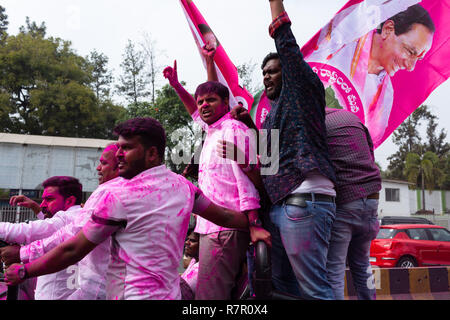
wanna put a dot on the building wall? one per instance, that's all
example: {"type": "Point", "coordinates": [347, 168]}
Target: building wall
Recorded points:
{"type": "Point", "coordinates": [413, 206]}
{"type": "Point", "coordinates": [25, 166]}
{"type": "Point", "coordinates": [433, 201]}
{"type": "Point", "coordinates": [394, 208]}
{"type": "Point", "coordinates": [447, 201]}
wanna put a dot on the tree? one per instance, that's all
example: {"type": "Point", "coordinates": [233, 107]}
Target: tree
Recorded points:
{"type": "Point", "coordinates": [132, 82]}
{"type": "Point", "coordinates": [31, 28]}
{"type": "Point", "coordinates": [101, 76]}
{"type": "Point", "coordinates": [3, 24]}
{"type": "Point", "coordinates": [436, 141]}
{"type": "Point", "coordinates": [425, 169]}
{"type": "Point", "coordinates": [246, 71]}
{"type": "Point", "coordinates": [170, 112]}
{"type": "Point", "coordinates": [408, 139]}
{"type": "Point", "coordinates": [44, 88]}
{"type": "Point", "coordinates": [153, 70]}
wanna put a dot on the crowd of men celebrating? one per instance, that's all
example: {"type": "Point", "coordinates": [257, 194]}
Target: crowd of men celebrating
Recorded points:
{"type": "Point", "coordinates": [128, 238]}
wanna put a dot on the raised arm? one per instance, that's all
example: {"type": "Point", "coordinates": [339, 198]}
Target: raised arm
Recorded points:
{"type": "Point", "coordinates": [208, 53]}
{"type": "Point", "coordinates": [172, 75]}
{"type": "Point", "coordinates": [276, 8]}
{"type": "Point", "coordinates": [23, 201]}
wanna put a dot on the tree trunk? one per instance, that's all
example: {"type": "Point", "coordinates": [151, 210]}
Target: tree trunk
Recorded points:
{"type": "Point", "coordinates": [423, 191]}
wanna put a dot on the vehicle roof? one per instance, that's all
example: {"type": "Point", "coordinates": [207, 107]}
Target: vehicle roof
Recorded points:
{"type": "Point", "coordinates": [410, 226]}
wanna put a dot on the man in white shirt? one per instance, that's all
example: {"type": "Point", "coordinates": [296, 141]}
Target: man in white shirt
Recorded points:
{"type": "Point", "coordinates": [60, 204]}
{"type": "Point", "coordinates": [89, 280]}
{"type": "Point", "coordinates": [147, 216]}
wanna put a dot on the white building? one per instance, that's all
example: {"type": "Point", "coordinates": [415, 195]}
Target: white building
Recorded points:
{"type": "Point", "coordinates": [27, 160]}
{"type": "Point", "coordinates": [396, 199]}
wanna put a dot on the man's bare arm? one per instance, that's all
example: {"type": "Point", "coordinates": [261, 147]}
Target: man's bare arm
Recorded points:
{"type": "Point", "coordinates": [276, 8]}
{"type": "Point", "coordinates": [64, 255]}
{"type": "Point", "coordinates": [224, 217]}
{"type": "Point", "coordinates": [208, 53]}
{"type": "Point", "coordinates": [170, 73]}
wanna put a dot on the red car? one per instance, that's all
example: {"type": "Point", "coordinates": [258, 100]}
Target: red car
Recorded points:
{"type": "Point", "coordinates": [410, 245]}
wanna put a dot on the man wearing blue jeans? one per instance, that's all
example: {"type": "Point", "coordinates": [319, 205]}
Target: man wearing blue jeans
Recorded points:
{"type": "Point", "coordinates": [358, 184]}
{"type": "Point", "coordinates": [302, 191]}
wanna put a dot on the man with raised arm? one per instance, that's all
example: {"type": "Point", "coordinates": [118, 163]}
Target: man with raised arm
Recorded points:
{"type": "Point", "coordinates": [89, 281]}
{"type": "Point", "coordinates": [302, 191]}
{"type": "Point", "coordinates": [223, 182]}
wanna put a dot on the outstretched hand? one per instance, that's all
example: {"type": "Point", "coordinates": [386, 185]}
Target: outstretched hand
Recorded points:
{"type": "Point", "coordinates": [171, 74]}
{"type": "Point", "coordinates": [23, 201]}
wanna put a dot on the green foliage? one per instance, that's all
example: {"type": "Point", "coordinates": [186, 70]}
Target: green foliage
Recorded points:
{"type": "Point", "coordinates": [330, 99]}
{"type": "Point", "coordinates": [3, 24]}
{"type": "Point", "coordinates": [101, 77]}
{"type": "Point", "coordinates": [424, 171]}
{"type": "Point", "coordinates": [426, 167]}
{"type": "Point", "coordinates": [45, 88]}
{"type": "Point", "coordinates": [170, 112]}
{"type": "Point", "coordinates": [408, 139]}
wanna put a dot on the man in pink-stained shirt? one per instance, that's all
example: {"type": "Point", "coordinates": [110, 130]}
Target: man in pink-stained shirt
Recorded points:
{"type": "Point", "coordinates": [222, 250]}
{"type": "Point", "coordinates": [146, 215]}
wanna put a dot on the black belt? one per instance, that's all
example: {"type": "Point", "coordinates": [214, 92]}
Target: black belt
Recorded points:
{"type": "Point", "coordinates": [375, 195]}
{"type": "Point", "coordinates": [298, 199]}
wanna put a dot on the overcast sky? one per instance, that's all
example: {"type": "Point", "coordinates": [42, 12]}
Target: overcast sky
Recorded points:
{"type": "Point", "coordinates": [240, 25]}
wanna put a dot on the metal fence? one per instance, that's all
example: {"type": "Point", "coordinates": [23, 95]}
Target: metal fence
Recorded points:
{"type": "Point", "coordinates": [440, 220]}
{"type": "Point", "coordinates": [16, 214]}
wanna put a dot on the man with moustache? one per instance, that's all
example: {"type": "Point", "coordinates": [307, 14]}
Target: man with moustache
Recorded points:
{"type": "Point", "coordinates": [147, 215]}
{"type": "Point", "coordinates": [60, 205]}
{"type": "Point", "coordinates": [89, 282]}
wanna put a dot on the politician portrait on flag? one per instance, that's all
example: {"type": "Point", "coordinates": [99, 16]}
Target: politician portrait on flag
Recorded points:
{"type": "Point", "coordinates": [359, 71]}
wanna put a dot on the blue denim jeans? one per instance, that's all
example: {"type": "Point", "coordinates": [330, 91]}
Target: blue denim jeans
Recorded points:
{"type": "Point", "coordinates": [355, 226]}
{"type": "Point", "coordinates": [300, 238]}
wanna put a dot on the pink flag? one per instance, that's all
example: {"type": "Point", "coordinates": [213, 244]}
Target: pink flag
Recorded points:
{"type": "Point", "coordinates": [371, 67]}
{"type": "Point", "coordinates": [226, 71]}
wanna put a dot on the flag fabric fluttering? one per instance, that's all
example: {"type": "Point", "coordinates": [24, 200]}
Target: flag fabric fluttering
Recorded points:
{"type": "Point", "coordinates": [411, 60]}
{"type": "Point", "coordinates": [226, 70]}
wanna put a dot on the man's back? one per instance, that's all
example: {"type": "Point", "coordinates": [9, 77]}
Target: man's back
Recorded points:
{"type": "Point", "coordinates": [351, 152]}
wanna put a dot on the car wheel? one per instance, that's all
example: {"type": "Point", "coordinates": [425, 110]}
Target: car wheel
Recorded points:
{"type": "Point", "coordinates": [407, 262]}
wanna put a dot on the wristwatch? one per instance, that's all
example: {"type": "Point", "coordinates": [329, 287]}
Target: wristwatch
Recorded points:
{"type": "Point", "coordinates": [22, 272]}
{"type": "Point", "coordinates": [255, 222]}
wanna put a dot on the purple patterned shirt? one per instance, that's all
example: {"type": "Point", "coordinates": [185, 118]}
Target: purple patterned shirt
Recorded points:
{"type": "Point", "coordinates": [351, 152]}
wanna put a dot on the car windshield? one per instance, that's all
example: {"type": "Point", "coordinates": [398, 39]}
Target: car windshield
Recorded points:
{"type": "Point", "coordinates": [386, 233]}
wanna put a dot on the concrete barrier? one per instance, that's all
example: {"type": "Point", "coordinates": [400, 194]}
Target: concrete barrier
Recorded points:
{"type": "Point", "coordinates": [431, 283]}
